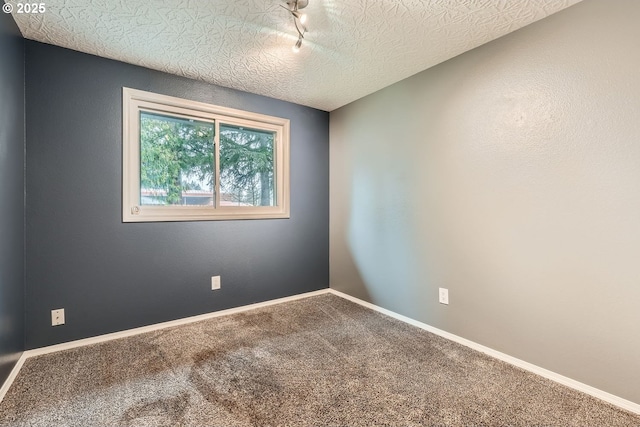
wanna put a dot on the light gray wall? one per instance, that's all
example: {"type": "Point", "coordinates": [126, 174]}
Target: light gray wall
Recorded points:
{"type": "Point", "coordinates": [11, 195]}
{"type": "Point", "coordinates": [511, 176]}
{"type": "Point", "coordinates": [110, 276]}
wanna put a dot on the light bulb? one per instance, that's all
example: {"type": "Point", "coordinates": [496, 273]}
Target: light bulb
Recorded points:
{"type": "Point", "coordinates": [303, 18]}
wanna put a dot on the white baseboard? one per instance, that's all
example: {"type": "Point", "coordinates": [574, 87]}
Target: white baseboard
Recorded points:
{"type": "Point", "coordinates": [163, 325]}
{"type": "Point", "coordinates": [136, 331]}
{"type": "Point", "coordinates": [584, 388]}
{"type": "Point", "coordinates": [12, 376]}
{"type": "Point", "coordinates": [576, 385]}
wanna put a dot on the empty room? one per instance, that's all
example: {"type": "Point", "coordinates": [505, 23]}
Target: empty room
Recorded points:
{"type": "Point", "coordinates": [320, 213]}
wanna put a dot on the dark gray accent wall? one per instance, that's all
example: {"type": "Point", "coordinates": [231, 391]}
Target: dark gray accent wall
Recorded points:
{"type": "Point", "coordinates": [111, 276]}
{"type": "Point", "coordinates": [11, 195]}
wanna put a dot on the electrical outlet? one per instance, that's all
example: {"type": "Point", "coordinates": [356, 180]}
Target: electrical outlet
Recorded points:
{"type": "Point", "coordinates": [215, 283]}
{"type": "Point", "coordinates": [57, 317]}
{"type": "Point", "coordinates": [443, 296]}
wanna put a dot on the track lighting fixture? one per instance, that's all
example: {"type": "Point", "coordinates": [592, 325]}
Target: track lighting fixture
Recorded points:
{"type": "Point", "coordinates": [299, 19]}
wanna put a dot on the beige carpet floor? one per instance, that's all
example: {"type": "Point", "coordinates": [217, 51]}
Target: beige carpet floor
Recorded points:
{"type": "Point", "coordinates": [319, 361]}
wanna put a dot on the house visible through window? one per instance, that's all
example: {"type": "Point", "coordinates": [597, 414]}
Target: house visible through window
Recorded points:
{"type": "Point", "coordinates": [184, 160]}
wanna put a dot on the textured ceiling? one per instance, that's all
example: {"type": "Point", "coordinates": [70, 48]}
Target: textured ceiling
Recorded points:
{"type": "Point", "coordinates": [353, 47]}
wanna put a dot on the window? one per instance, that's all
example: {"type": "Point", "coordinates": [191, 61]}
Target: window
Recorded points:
{"type": "Point", "coordinates": [185, 160]}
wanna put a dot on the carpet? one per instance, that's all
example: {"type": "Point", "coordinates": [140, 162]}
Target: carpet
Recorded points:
{"type": "Point", "coordinates": [318, 361]}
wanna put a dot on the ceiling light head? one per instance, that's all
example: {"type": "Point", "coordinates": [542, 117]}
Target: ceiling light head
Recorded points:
{"type": "Point", "coordinates": [297, 4]}
{"type": "Point", "coordinates": [296, 47]}
{"type": "Point", "coordinates": [302, 17]}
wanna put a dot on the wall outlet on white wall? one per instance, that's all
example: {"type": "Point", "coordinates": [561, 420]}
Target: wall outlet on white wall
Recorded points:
{"type": "Point", "coordinates": [215, 283]}
{"type": "Point", "coordinates": [57, 317]}
{"type": "Point", "coordinates": [443, 295]}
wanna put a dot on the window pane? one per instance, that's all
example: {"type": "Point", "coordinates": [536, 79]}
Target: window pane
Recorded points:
{"type": "Point", "coordinates": [176, 161]}
{"type": "Point", "coordinates": [246, 167]}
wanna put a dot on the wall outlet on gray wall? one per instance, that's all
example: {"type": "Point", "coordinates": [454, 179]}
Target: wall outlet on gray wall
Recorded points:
{"type": "Point", "coordinates": [443, 295]}
{"type": "Point", "coordinates": [215, 283]}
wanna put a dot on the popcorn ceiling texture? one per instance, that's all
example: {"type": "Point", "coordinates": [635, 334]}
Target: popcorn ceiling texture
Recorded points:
{"type": "Point", "coordinates": [353, 48]}
{"type": "Point", "coordinates": [319, 361]}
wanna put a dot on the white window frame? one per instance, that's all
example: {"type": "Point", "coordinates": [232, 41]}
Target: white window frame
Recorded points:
{"type": "Point", "coordinates": [134, 101]}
